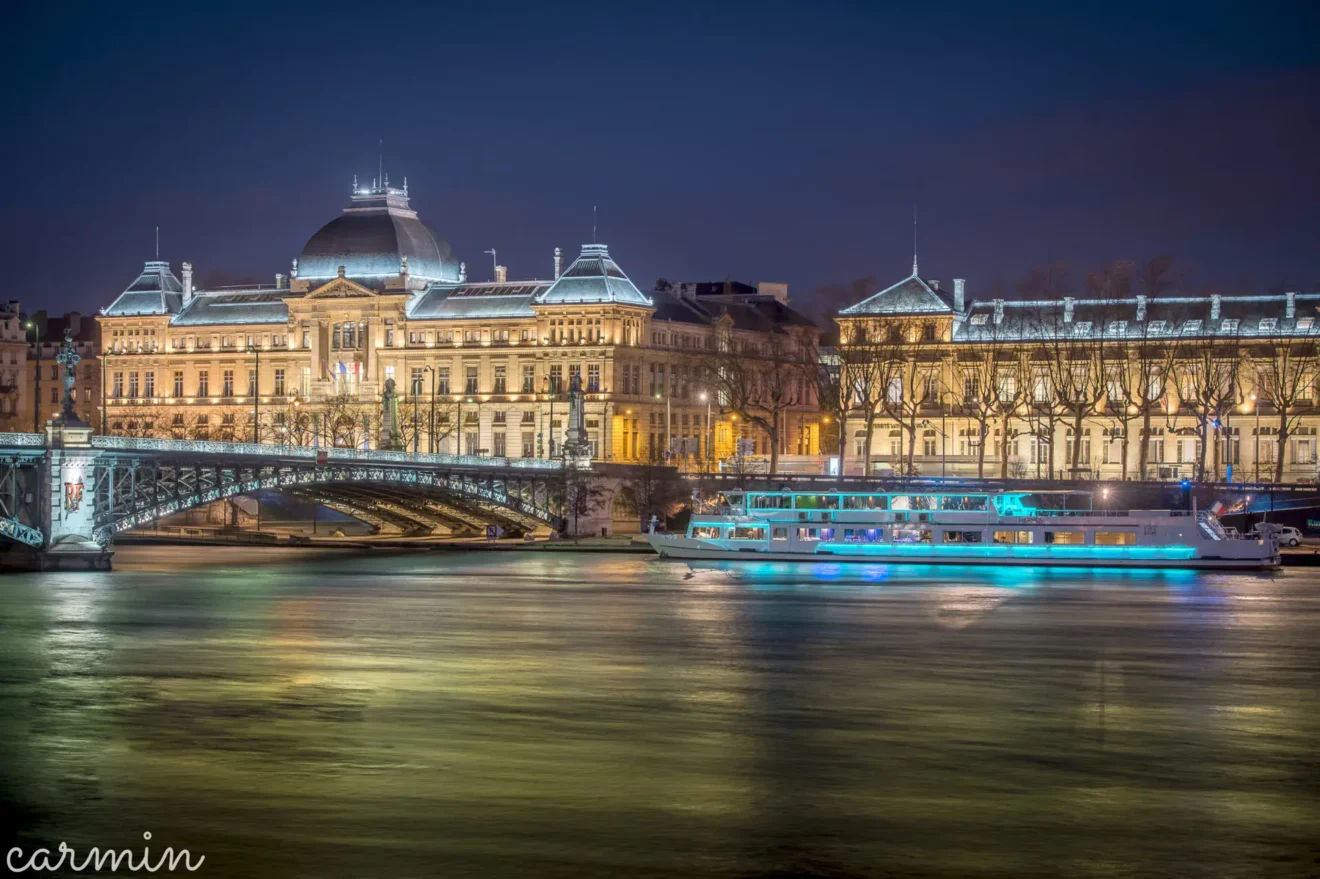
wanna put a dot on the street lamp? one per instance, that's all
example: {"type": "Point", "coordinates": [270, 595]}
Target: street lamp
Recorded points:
{"type": "Point", "coordinates": [1256, 439]}
{"type": "Point", "coordinates": [710, 429]}
{"type": "Point", "coordinates": [31, 327]}
{"type": "Point", "coordinates": [430, 442]}
{"type": "Point", "coordinates": [256, 392]}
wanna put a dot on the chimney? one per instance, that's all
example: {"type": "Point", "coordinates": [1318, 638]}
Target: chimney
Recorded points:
{"type": "Point", "coordinates": [999, 310]}
{"type": "Point", "coordinates": [1141, 308]}
{"type": "Point", "coordinates": [1214, 307]}
{"type": "Point", "coordinates": [280, 282]}
{"type": "Point", "coordinates": [934, 285]}
{"type": "Point", "coordinates": [959, 294]}
{"type": "Point", "coordinates": [1067, 309]}
{"type": "Point", "coordinates": [501, 274]}
{"type": "Point", "coordinates": [187, 282]}
{"type": "Point", "coordinates": [559, 262]}
{"type": "Point", "coordinates": [1292, 305]}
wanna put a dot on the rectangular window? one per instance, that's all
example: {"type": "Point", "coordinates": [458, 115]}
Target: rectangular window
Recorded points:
{"type": "Point", "coordinates": [1013, 537]}
{"type": "Point", "coordinates": [472, 443]}
{"type": "Point", "coordinates": [500, 381]}
{"type": "Point", "coordinates": [529, 379]}
{"type": "Point", "coordinates": [706, 532]}
{"type": "Point", "coordinates": [962, 536]}
{"type": "Point", "coordinates": [748, 532]}
{"type": "Point", "coordinates": [133, 384]}
{"type": "Point", "coordinates": [593, 378]}
{"type": "Point", "coordinates": [203, 383]}
{"type": "Point", "coordinates": [279, 382]}
{"type": "Point", "coordinates": [808, 534]}
{"type": "Point", "coordinates": [442, 380]}
{"type": "Point", "coordinates": [227, 383]}
{"type": "Point", "coordinates": [252, 383]}
{"type": "Point", "coordinates": [528, 444]}
{"type": "Point", "coordinates": [470, 386]}
{"type": "Point", "coordinates": [1115, 538]}
{"type": "Point", "coordinates": [149, 384]}
{"type": "Point", "coordinates": [779, 534]}
{"type": "Point", "coordinates": [556, 378]}
{"type": "Point", "coordinates": [498, 444]}
{"type": "Point", "coordinates": [1066, 538]}
{"type": "Point", "coordinates": [178, 383]}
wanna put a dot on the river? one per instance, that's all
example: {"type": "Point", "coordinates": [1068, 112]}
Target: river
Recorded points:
{"type": "Point", "coordinates": [521, 713]}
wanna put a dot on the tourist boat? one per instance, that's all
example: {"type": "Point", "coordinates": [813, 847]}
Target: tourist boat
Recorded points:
{"type": "Point", "coordinates": [958, 527]}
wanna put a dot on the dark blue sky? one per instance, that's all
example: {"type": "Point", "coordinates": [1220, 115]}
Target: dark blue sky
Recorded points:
{"type": "Point", "coordinates": [762, 141]}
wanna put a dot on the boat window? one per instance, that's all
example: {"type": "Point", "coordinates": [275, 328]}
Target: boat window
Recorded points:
{"type": "Point", "coordinates": [707, 532]}
{"type": "Point", "coordinates": [912, 502]}
{"type": "Point", "coordinates": [863, 535]}
{"type": "Point", "coordinates": [769, 501]}
{"type": "Point", "coordinates": [816, 501]}
{"type": "Point", "coordinates": [962, 536]}
{"type": "Point", "coordinates": [1115, 538]}
{"type": "Point", "coordinates": [866, 502]}
{"type": "Point", "coordinates": [1013, 537]}
{"type": "Point", "coordinates": [827, 534]}
{"type": "Point", "coordinates": [779, 534]}
{"type": "Point", "coordinates": [748, 532]}
{"type": "Point", "coordinates": [808, 534]}
{"type": "Point", "coordinates": [963, 502]}
{"type": "Point", "coordinates": [733, 500]}
{"type": "Point", "coordinates": [912, 535]}
{"type": "Point", "coordinates": [1066, 538]}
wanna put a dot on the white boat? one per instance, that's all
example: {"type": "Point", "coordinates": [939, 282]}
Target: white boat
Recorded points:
{"type": "Point", "coordinates": [959, 527]}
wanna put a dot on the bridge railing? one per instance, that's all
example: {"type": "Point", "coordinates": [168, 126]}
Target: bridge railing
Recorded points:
{"type": "Point", "coordinates": [36, 440]}
{"type": "Point", "coordinates": [213, 447]}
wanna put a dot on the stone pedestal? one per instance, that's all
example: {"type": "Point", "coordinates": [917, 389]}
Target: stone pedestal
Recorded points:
{"type": "Point", "coordinates": [69, 493]}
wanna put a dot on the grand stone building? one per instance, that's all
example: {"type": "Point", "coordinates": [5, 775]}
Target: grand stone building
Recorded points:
{"type": "Point", "coordinates": [1122, 387]}
{"type": "Point", "coordinates": [480, 367]}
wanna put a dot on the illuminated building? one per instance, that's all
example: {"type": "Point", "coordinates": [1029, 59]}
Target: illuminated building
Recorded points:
{"type": "Point", "coordinates": [376, 295]}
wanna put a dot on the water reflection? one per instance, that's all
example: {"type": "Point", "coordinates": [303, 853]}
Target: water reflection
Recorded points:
{"type": "Point", "coordinates": [561, 714]}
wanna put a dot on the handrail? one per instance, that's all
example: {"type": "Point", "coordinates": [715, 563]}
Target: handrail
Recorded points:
{"type": "Point", "coordinates": [215, 447]}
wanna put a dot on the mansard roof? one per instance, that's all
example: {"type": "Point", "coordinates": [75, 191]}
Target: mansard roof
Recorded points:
{"type": "Point", "coordinates": [594, 277]}
{"type": "Point", "coordinates": [912, 295]}
{"type": "Point", "coordinates": [156, 291]}
{"type": "Point", "coordinates": [1142, 318]}
{"type": "Point", "coordinates": [477, 300]}
{"type": "Point", "coordinates": [758, 313]}
{"type": "Point", "coordinates": [249, 305]}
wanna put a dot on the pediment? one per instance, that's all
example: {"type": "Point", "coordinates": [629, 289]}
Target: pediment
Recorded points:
{"type": "Point", "coordinates": [340, 288]}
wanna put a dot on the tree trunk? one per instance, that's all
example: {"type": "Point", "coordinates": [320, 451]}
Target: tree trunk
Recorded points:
{"type": "Point", "coordinates": [1123, 453]}
{"type": "Point", "coordinates": [912, 444]}
{"type": "Point", "coordinates": [1283, 443]}
{"type": "Point", "coordinates": [1075, 460]}
{"type": "Point", "coordinates": [980, 451]}
{"type": "Point", "coordinates": [1200, 456]}
{"type": "Point", "coordinates": [1003, 448]}
{"type": "Point", "coordinates": [1144, 450]}
{"type": "Point", "coordinates": [866, 450]}
{"type": "Point", "coordinates": [773, 434]}
{"type": "Point", "coordinates": [843, 446]}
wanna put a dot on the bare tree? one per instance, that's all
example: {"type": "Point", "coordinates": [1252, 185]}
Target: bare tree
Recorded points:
{"type": "Point", "coordinates": [1285, 372]}
{"type": "Point", "coordinates": [861, 385]}
{"type": "Point", "coordinates": [910, 384]}
{"type": "Point", "coordinates": [761, 381]}
{"type": "Point", "coordinates": [1207, 373]}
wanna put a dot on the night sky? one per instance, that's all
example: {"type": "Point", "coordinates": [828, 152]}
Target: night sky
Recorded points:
{"type": "Point", "coordinates": [784, 142]}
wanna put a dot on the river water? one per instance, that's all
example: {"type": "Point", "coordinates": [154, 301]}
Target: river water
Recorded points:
{"type": "Point", "coordinates": [290, 714]}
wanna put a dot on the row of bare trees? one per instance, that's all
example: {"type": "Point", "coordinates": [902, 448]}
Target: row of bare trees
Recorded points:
{"type": "Point", "coordinates": [341, 420]}
{"type": "Point", "coordinates": [1042, 371]}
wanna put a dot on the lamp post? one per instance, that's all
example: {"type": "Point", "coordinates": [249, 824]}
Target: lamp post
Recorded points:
{"type": "Point", "coordinates": [430, 442]}
{"type": "Point", "coordinates": [416, 392]}
{"type": "Point", "coordinates": [30, 326]}
{"type": "Point", "coordinates": [944, 438]}
{"type": "Point", "coordinates": [105, 362]}
{"type": "Point", "coordinates": [1256, 437]}
{"type": "Point", "coordinates": [256, 394]}
{"type": "Point", "coordinates": [710, 428]}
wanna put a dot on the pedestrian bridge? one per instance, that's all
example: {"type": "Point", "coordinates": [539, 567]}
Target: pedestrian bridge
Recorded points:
{"type": "Point", "coordinates": [64, 497]}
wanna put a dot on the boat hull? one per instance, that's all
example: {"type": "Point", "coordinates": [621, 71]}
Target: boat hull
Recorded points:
{"type": "Point", "coordinates": [690, 549]}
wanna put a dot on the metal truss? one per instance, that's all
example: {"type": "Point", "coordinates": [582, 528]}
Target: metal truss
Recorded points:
{"type": "Point", "coordinates": [21, 473]}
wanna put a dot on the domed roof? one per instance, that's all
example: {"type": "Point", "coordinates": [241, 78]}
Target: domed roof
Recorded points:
{"type": "Point", "coordinates": [372, 237]}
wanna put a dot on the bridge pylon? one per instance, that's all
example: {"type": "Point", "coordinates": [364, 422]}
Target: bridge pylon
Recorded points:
{"type": "Point", "coordinates": [68, 494]}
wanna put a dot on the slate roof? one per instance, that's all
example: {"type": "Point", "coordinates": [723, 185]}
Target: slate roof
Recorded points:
{"type": "Point", "coordinates": [156, 291]}
{"type": "Point", "coordinates": [593, 277]}
{"type": "Point", "coordinates": [1165, 317]}
{"type": "Point", "coordinates": [760, 313]}
{"type": "Point", "coordinates": [257, 305]}
{"type": "Point", "coordinates": [371, 238]}
{"type": "Point", "coordinates": [912, 295]}
{"type": "Point", "coordinates": [477, 300]}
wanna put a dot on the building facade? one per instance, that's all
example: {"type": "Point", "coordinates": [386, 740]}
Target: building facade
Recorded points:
{"type": "Point", "coordinates": [478, 368]}
{"type": "Point", "coordinates": [31, 382]}
{"type": "Point", "coordinates": [1165, 387]}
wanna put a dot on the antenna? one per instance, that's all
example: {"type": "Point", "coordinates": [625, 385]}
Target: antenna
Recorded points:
{"type": "Point", "coordinates": [593, 225]}
{"type": "Point", "coordinates": [494, 261]}
{"type": "Point", "coordinates": [914, 240]}
{"type": "Point", "coordinates": [157, 243]}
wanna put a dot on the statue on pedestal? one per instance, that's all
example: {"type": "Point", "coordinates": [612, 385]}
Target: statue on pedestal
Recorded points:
{"type": "Point", "coordinates": [577, 448]}
{"type": "Point", "coordinates": [69, 359]}
{"type": "Point", "coordinates": [390, 437]}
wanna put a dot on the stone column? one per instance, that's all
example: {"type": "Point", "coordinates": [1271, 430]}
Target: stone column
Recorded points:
{"type": "Point", "coordinates": [69, 500]}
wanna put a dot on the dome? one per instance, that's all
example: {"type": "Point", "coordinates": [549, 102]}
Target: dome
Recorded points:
{"type": "Point", "coordinates": [371, 238]}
